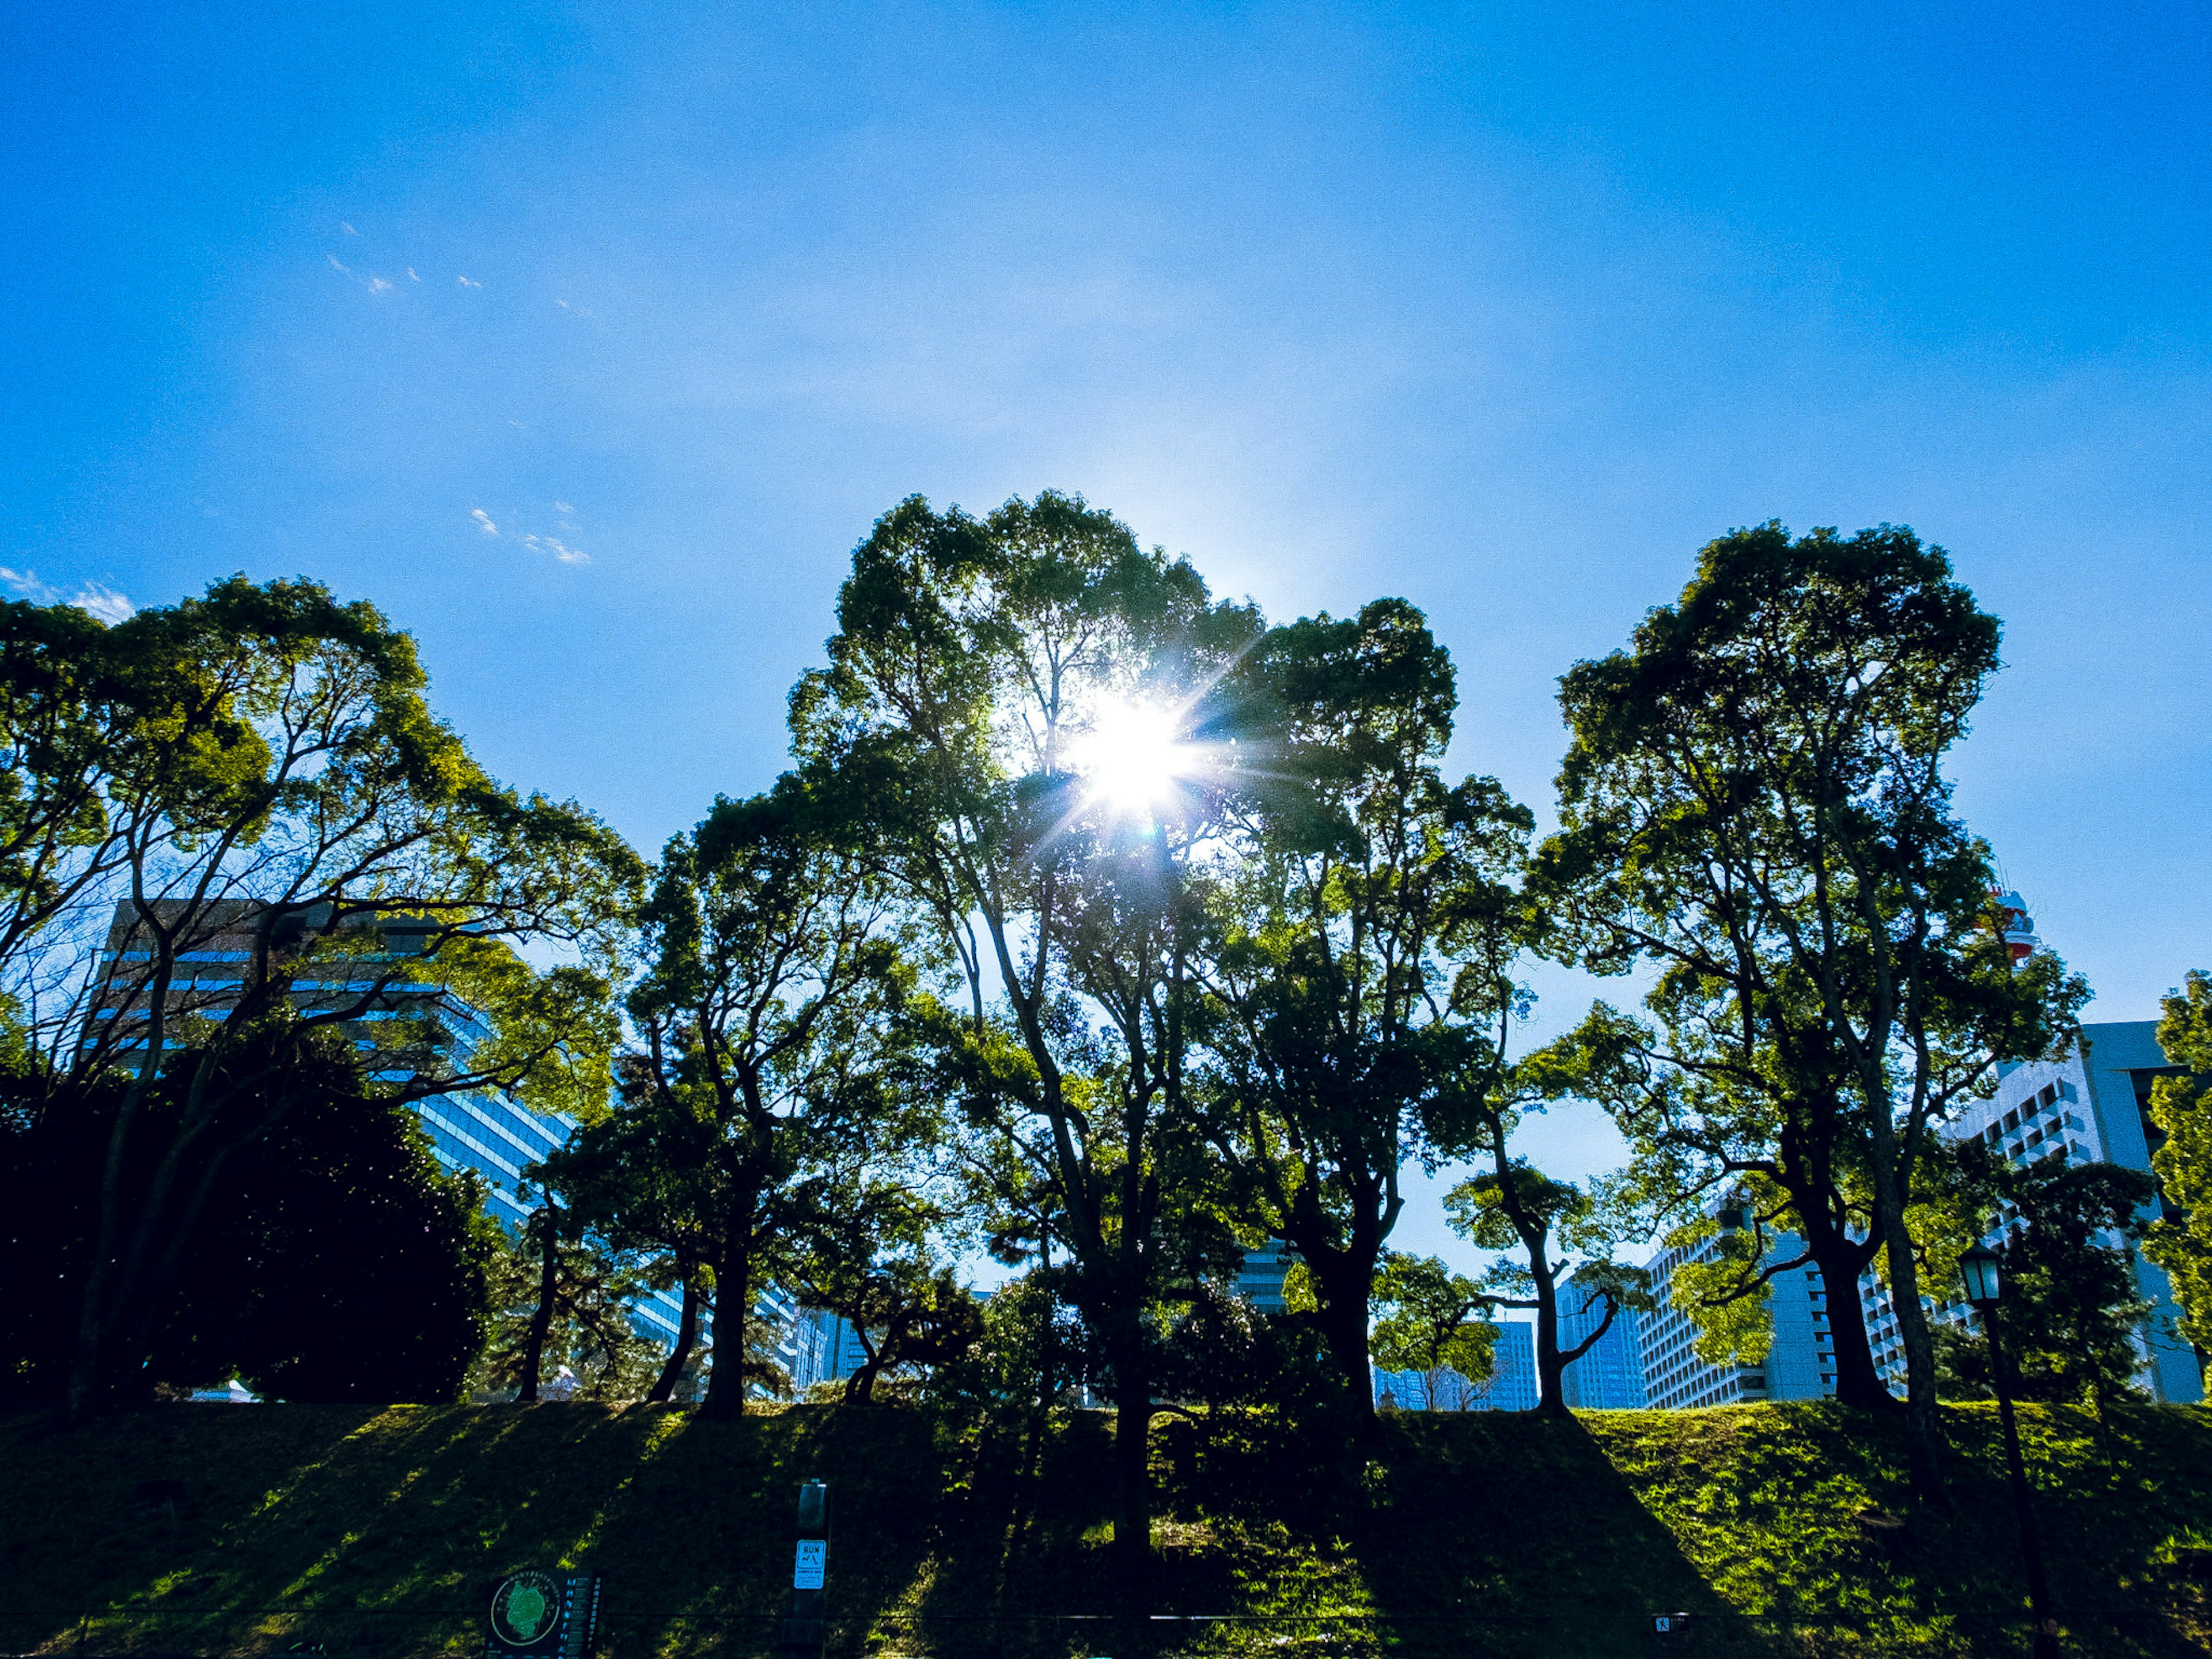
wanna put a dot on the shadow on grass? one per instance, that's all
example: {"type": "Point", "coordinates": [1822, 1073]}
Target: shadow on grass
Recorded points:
{"type": "Point", "coordinates": [1800, 1518]}
{"type": "Point", "coordinates": [1490, 1534]}
{"type": "Point", "coordinates": [1780, 1530]}
{"type": "Point", "coordinates": [382, 1532]}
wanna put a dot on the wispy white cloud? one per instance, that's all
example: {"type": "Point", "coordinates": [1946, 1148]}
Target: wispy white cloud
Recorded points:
{"type": "Point", "coordinates": [104, 602]}
{"type": "Point", "coordinates": [564, 509]}
{"type": "Point", "coordinates": [95, 598]}
{"type": "Point", "coordinates": [377, 285]}
{"type": "Point", "coordinates": [465, 283]}
{"type": "Point", "coordinates": [347, 229]}
{"type": "Point", "coordinates": [483, 521]}
{"type": "Point", "coordinates": [335, 266]}
{"type": "Point", "coordinates": [411, 276]}
{"type": "Point", "coordinates": [28, 586]}
{"type": "Point", "coordinates": [559, 549]}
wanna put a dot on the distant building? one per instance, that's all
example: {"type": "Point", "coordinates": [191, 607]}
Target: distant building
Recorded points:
{"type": "Point", "coordinates": [2090, 1105]}
{"type": "Point", "coordinates": [1800, 1363]}
{"type": "Point", "coordinates": [476, 1129]}
{"type": "Point", "coordinates": [1259, 1280]}
{"type": "Point", "coordinates": [1610, 1375]}
{"type": "Point", "coordinates": [825, 1347]}
{"type": "Point", "coordinates": [1511, 1386]}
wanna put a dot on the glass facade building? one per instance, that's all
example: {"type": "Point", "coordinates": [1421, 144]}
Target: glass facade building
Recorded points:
{"type": "Point", "coordinates": [1510, 1387]}
{"type": "Point", "coordinates": [476, 1130]}
{"type": "Point", "coordinates": [1610, 1375]}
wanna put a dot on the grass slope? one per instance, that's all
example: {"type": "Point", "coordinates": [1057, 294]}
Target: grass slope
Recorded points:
{"type": "Point", "coordinates": [213, 1529]}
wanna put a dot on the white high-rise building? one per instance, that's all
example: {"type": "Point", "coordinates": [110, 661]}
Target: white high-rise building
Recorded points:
{"type": "Point", "coordinates": [1800, 1363]}
{"type": "Point", "coordinates": [2091, 1105]}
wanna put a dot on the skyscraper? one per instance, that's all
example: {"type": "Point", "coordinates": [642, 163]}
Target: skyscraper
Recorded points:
{"type": "Point", "coordinates": [474, 1129]}
{"type": "Point", "coordinates": [1610, 1375]}
{"type": "Point", "coordinates": [2091, 1104]}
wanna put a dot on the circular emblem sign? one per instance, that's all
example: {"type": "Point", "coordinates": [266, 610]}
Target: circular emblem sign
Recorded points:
{"type": "Point", "coordinates": [524, 1608]}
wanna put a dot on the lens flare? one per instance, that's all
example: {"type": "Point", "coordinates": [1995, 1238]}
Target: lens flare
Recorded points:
{"type": "Point", "coordinates": [1131, 756]}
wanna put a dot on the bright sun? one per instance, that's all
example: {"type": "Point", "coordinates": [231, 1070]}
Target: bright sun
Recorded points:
{"type": "Point", "coordinates": [1130, 756]}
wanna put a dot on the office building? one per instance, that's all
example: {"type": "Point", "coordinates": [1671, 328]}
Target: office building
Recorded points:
{"type": "Point", "coordinates": [1609, 1376]}
{"type": "Point", "coordinates": [2090, 1105]}
{"type": "Point", "coordinates": [1510, 1387]}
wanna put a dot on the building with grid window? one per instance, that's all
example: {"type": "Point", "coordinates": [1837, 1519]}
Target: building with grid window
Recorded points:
{"type": "Point", "coordinates": [1510, 1387]}
{"type": "Point", "coordinates": [478, 1130]}
{"type": "Point", "coordinates": [2090, 1105]}
{"type": "Point", "coordinates": [1800, 1363]}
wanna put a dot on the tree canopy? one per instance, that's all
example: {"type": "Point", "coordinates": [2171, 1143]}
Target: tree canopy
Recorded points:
{"type": "Point", "coordinates": [1097, 925]}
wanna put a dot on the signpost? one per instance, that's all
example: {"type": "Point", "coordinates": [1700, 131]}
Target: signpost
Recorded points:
{"type": "Point", "coordinates": [805, 1623]}
{"type": "Point", "coordinates": [544, 1615]}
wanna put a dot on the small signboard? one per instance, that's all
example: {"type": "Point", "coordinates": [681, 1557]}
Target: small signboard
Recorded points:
{"type": "Point", "coordinates": [813, 1562]}
{"type": "Point", "coordinates": [544, 1615]}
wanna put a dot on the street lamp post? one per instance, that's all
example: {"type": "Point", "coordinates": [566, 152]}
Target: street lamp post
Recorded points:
{"type": "Point", "coordinates": [1979, 1267]}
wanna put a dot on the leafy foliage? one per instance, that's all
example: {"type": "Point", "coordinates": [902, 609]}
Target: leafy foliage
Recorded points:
{"type": "Point", "coordinates": [2180, 1240]}
{"type": "Point", "coordinates": [339, 1263]}
{"type": "Point", "coordinates": [2071, 1307]}
{"type": "Point", "coordinates": [256, 776]}
{"type": "Point", "coordinates": [774, 1011]}
{"type": "Point", "coordinates": [1755, 805]}
{"type": "Point", "coordinates": [1338, 1018]}
{"type": "Point", "coordinates": [974, 660]}
{"type": "Point", "coordinates": [561, 1311]}
{"type": "Point", "coordinates": [1435, 1322]}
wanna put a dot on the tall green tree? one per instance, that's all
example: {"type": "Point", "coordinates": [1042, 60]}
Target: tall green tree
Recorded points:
{"type": "Point", "coordinates": [774, 1010]}
{"type": "Point", "coordinates": [1514, 1207]}
{"type": "Point", "coordinates": [1327, 959]}
{"type": "Point", "coordinates": [1435, 1322]}
{"type": "Point", "coordinates": [2179, 1239]}
{"type": "Point", "coordinates": [642, 1179]}
{"type": "Point", "coordinates": [1020, 702]}
{"type": "Point", "coordinates": [1754, 807]}
{"type": "Point", "coordinates": [257, 773]}
{"type": "Point", "coordinates": [561, 1299]}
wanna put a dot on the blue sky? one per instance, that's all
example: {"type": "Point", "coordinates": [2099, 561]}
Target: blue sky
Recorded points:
{"type": "Point", "coordinates": [1506, 309]}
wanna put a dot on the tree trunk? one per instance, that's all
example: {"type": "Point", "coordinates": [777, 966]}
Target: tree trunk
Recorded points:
{"type": "Point", "coordinates": [541, 1320]}
{"type": "Point", "coordinates": [687, 1336]}
{"type": "Point", "coordinates": [860, 1386]}
{"type": "Point", "coordinates": [88, 1364]}
{"type": "Point", "coordinates": [734, 1292]}
{"type": "Point", "coordinates": [1551, 1368]}
{"type": "Point", "coordinates": [1132, 1474]}
{"type": "Point", "coordinates": [1840, 1261]}
{"type": "Point", "coordinates": [1924, 1434]}
{"type": "Point", "coordinates": [1343, 1285]}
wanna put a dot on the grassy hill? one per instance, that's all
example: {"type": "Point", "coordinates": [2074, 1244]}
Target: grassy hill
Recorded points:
{"type": "Point", "coordinates": [202, 1529]}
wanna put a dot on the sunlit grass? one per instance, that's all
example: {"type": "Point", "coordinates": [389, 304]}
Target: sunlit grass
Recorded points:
{"type": "Point", "coordinates": [1781, 1530]}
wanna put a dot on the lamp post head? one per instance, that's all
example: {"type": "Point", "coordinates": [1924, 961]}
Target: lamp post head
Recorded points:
{"type": "Point", "coordinates": [1977, 1267]}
